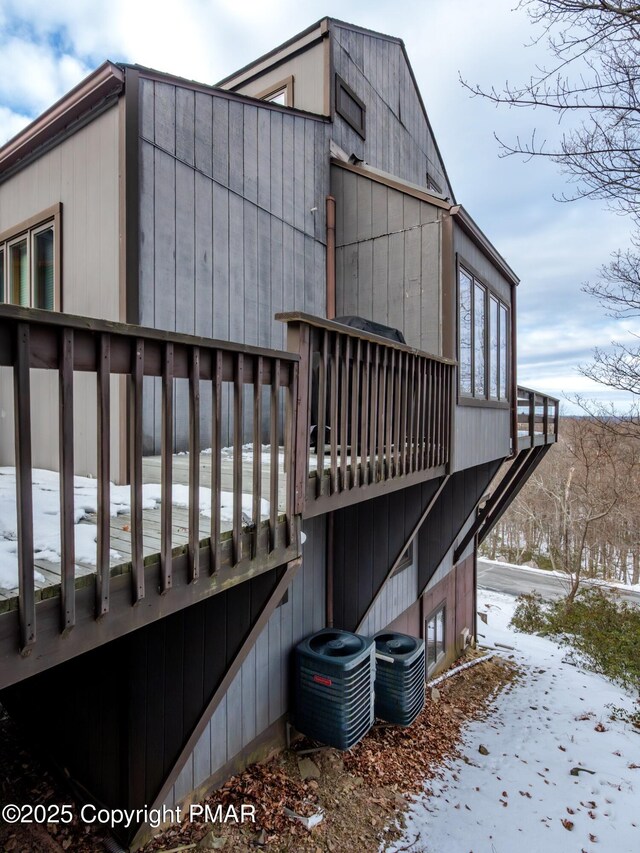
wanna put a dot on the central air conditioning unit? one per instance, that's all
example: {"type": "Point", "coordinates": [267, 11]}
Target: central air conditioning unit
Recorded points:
{"type": "Point", "coordinates": [400, 676]}
{"type": "Point", "coordinates": [334, 673]}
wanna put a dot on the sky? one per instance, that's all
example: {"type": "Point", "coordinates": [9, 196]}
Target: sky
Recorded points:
{"type": "Point", "coordinates": [554, 247]}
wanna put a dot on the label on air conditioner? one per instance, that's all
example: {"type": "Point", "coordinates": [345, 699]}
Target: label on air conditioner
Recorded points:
{"type": "Point", "coordinates": [322, 679]}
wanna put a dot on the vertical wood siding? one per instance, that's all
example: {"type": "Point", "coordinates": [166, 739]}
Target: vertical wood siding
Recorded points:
{"type": "Point", "coordinates": [258, 696]}
{"type": "Point", "coordinates": [398, 138]}
{"type": "Point", "coordinates": [131, 704]}
{"type": "Point", "coordinates": [448, 516]}
{"type": "Point", "coordinates": [368, 537]}
{"type": "Point", "coordinates": [396, 596]}
{"type": "Point", "coordinates": [232, 222]}
{"type": "Point", "coordinates": [388, 258]}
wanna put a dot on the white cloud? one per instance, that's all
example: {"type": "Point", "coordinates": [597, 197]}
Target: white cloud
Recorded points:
{"type": "Point", "coordinates": [11, 122]}
{"type": "Point", "coordinates": [45, 48]}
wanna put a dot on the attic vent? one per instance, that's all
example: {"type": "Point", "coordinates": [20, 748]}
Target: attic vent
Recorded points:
{"type": "Point", "coordinates": [350, 107]}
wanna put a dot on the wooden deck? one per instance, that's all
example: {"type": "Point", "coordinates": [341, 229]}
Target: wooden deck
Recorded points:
{"type": "Point", "coordinates": [120, 528]}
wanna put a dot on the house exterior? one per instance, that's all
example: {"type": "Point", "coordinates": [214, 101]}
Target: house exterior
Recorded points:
{"type": "Point", "coordinates": [205, 238]}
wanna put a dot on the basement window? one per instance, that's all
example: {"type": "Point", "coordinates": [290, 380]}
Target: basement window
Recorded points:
{"type": "Point", "coordinates": [435, 637]}
{"type": "Point", "coordinates": [30, 262]}
{"type": "Point", "coordinates": [350, 107]}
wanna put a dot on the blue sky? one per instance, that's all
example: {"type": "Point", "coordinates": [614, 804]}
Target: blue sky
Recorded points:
{"type": "Point", "coordinates": [45, 48]}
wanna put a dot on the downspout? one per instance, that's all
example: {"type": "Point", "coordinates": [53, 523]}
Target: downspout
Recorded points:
{"type": "Point", "coordinates": [475, 588]}
{"type": "Point", "coordinates": [331, 257]}
{"type": "Point", "coordinates": [331, 313]}
{"type": "Point", "coordinates": [514, 377]}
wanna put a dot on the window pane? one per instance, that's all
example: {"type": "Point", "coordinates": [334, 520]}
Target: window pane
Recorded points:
{"type": "Point", "coordinates": [43, 285]}
{"type": "Point", "coordinates": [493, 347]}
{"type": "Point", "coordinates": [431, 642]}
{"type": "Point", "coordinates": [2, 296]}
{"type": "Point", "coordinates": [439, 633]}
{"type": "Point", "coordinates": [465, 333]}
{"type": "Point", "coordinates": [279, 97]}
{"type": "Point", "coordinates": [19, 274]}
{"type": "Point", "coordinates": [479, 348]}
{"type": "Point", "coordinates": [503, 353]}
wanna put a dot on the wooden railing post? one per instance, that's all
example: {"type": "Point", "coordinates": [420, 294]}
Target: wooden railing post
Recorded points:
{"type": "Point", "coordinates": [24, 487]}
{"type": "Point", "coordinates": [67, 520]}
{"type": "Point", "coordinates": [532, 416]}
{"type": "Point", "coordinates": [299, 340]}
{"type": "Point", "coordinates": [103, 394]}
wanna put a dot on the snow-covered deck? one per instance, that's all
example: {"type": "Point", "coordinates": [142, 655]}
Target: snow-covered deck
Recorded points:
{"type": "Point", "coordinates": [46, 517]}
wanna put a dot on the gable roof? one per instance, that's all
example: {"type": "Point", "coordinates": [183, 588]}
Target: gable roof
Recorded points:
{"type": "Point", "coordinates": [310, 36]}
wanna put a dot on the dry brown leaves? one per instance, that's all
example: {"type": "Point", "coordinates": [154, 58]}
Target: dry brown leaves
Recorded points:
{"type": "Point", "coordinates": [406, 757]}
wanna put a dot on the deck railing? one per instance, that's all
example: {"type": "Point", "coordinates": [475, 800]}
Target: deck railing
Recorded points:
{"type": "Point", "coordinates": [250, 395]}
{"type": "Point", "coordinates": [377, 415]}
{"type": "Point", "coordinates": [538, 416]}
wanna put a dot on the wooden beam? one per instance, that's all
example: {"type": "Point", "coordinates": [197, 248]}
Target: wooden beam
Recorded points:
{"type": "Point", "coordinates": [400, 554]}
{"type": "Point", "coordinates": [233, 669]}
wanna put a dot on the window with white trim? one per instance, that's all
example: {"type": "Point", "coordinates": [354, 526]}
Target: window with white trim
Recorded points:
{"type": "Point", "coordinates": [483, 340]}
{"type": "Point", "coordinates": [29, 262]}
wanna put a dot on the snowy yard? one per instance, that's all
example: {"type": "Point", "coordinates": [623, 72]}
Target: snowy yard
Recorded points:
{"type": "Point", "coordinates": [522, 796]}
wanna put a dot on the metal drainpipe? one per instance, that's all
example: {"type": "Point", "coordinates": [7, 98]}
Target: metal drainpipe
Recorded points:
{"type": "Point", "coordinates": [331, 313]}
{"type": "Point", "coordinates": [331, 257]}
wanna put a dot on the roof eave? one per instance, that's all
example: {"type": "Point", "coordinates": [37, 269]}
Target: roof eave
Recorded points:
{"type": "Point", "coordinates": [472, 230]}
{"type": "Point", "coordinates": [106, 81]}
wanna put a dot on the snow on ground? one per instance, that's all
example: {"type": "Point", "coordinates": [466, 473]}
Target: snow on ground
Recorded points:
{"type": "Point", "coordinates": [516, 797]}
{"type": "Point", "coordinates": [46, 516]}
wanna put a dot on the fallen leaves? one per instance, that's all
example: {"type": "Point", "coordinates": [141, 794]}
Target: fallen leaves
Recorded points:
{"type": "Point", "coordinates": [407, 756]}
{"type": "Point", "coordinates": [568, 824]}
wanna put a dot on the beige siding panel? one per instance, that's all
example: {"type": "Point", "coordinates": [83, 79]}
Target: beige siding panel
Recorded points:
{"type": "Point", "coordinates": [82, 173]}
{"type": "Point", "coordinates": [307, 70]}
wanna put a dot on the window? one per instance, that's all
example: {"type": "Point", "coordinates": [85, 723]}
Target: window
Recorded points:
{"type": "Point", "coordinates": [279, 93]}
{"type": "Point", "coordinates": [350, 107]}
{"type": "Point", "coordinates": [30, 262]}
{"type": "Point", "coordinates": [405, 561]}
{"type": "Point", "coordinates": [483, 342]}
{"type": "Point", "coordinates": [435, 637]}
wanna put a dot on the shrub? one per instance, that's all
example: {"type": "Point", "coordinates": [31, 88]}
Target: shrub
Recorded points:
{"type": "Point", "coordinates": [530, 615]}
{"type": "Point", "coordinates": [603, 630]}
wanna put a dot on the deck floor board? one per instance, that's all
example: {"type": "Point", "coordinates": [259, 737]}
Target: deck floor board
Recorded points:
{"type": "Point", "coordinates": [120, 527]}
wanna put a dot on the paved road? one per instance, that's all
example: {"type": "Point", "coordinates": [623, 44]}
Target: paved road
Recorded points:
{"type": "Point", "coordinates": [501, 578]}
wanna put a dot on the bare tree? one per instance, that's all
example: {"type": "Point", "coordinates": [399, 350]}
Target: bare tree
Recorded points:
{"type": "Point", "coordinates": [580, 512]}
{"type": "Point", "coordinates": [592, 83]}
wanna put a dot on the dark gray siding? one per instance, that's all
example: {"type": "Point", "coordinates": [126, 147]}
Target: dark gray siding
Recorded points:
{"type": "Point", "coordinates": [447, 519]}
{"type": "Point", "coordinates": [398, 138]}
{"type": "Point", "coordinates": [232, 222]}
{"type": "Point", "coordinates": [388, 258]}
{"type": "Point", "coordinates": [258, 696]}
{"type": "Point", "coordinates": [368, 537]}
{"type": "Point", "coordinates": [398, 594]}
